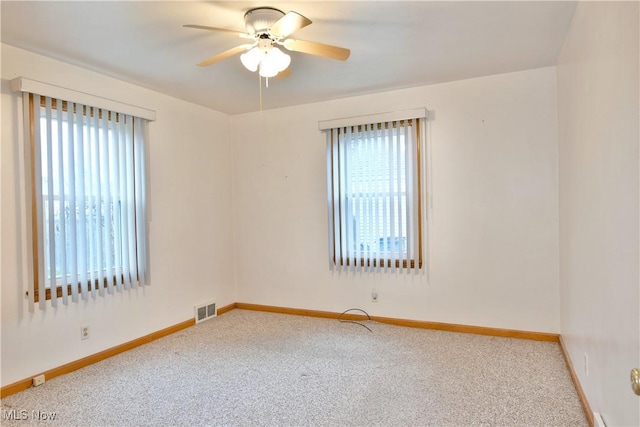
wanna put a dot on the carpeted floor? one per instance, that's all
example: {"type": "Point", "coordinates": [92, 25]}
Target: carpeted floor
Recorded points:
{"type": "Point", "coordinates": [252, 368]}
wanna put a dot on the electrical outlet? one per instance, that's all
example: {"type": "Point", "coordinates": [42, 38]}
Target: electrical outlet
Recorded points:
{"type": "Point", "coordinates": [586, 364]}
{"type": "Point", "coordinates": [84, 332]}
{"type": "Point", "coordinates": [39, 380]}
{"type": "Point", "coordinates": [374, 296]}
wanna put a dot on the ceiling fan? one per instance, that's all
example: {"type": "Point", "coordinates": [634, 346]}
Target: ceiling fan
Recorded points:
{"type": "Point", "coordinates": [269, 28]}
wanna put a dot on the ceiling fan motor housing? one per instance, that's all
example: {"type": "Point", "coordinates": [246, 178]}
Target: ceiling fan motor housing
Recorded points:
{"type": "Point", "coordinates": [259, 20]}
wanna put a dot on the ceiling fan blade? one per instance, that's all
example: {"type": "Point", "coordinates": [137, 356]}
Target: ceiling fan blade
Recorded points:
{"type": "Point", "coordinates": [224, 55]}
{"type": "Point", "coordinates": [220, 30]}
{"type": "Point", "coordinates": [320, 49]}
{"type": "Point", "coordinates": [288, 24]}
{"type": "Point", "coordinates": [283, 74]}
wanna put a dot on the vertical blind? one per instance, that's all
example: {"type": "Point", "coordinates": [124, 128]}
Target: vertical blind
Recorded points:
{"type": "Point", "coordinates": [374, 203]}
{"type": "Point", "coordinates": [88, 173]}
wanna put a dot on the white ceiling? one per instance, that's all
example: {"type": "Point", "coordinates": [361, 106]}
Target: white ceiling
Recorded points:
{"type": "Point", "coordinates": [393, 44]}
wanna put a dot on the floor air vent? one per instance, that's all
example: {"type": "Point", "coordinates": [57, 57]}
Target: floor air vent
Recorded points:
{"type": "Point", "coordinates": [205, 311]}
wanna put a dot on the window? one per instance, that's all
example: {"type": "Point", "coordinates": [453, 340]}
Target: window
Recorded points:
{"type": "Point", "coordinates": [374, 183]}
{"type": "Point", "coordinates": [88, 204]}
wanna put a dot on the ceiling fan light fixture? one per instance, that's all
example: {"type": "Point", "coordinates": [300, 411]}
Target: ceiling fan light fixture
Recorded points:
{"type": "Point", "coordinates": [268, 61]}
{"type": "Point", "coordinates": [251, 59]}
{"type": "Point", "coordinates": [273, 62]}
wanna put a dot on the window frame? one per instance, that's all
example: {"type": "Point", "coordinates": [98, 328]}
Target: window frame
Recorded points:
{"type": "Point", "coordinates": [344, 260]}
{"type": "Point", "coordinates": [93, 285]}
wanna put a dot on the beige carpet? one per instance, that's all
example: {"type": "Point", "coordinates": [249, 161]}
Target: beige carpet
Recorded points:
{"type": "Point", "coordinates": [251, 368]}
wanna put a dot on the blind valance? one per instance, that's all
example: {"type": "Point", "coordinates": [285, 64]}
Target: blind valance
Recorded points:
{"type": "Point", "coordinates": [22, 84]}
{"type": "Point", "coordinates": [416, 113]}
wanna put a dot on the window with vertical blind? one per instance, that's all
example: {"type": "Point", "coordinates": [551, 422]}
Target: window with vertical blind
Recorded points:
{"type": "Point", "coordinates": [374, 195]}
{"type": "Point", "coordinates": [88, 205]}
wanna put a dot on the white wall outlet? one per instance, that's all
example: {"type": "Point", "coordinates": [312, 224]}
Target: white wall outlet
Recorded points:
{"type": "Point", "coordinates": [84, 332]}
{"type": "Point", "coordinates": [374, 296]}
{"type": "Point", "coordinates": [586, 364]}
{"type": "Point", "coordinates": [39, 380]}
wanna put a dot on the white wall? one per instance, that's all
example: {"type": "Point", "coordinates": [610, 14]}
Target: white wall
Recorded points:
{"type": "Point", "coordinates": [190, 234]}
{"type": "Point", "coordinates": [493, 226]}
{"type": "Point", "coordinates": [599, 203]}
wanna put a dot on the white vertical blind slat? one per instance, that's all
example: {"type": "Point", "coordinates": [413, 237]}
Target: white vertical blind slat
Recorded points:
{"type": "Point", "coordinates": [107, 199]}
{"type": "Point", "coordinates": [329, 160]}
{"type": "Point", "coordinates": [356, 197]}
{"type": "Point", "coordinates": [98, 201]}
{"type": "Point", "coordinates": [394, 224]}
{"type": "Point", "coordinates": [403, 210]}
{"type": "Point", "coordinates": [130, 209]}
{"type": "Point", "coordinates": [125, 164]}
{"type": "Point", "coordinates": [135, 211]}
{"type": "Point", "coordinates": [394, 234]}
{"type": "Point", "coordinates": [409, 179]}
{"type": "Point", "coordinates": [50, 223]}
{"type": "Point", "coordinates": [416, 199]}
{"type": "Point", "coordinates": [116, 189]}
{"type": "Point", "coordinates": [369, 179]}
{"type": "Point", "coordinates": [386, 212]}
{"type": "Point", "coordinates": [375, 140]}
{"type": "Point", "coordinates": [349, 170]}
{"type": "Point", "coordinates": [89, 198]}
{"type": "Point", "coordinates": [73, 209]}
{"type": "Point", "coordinates": [343, 203]}
{"type": "Point", "coordinates": [62, 240]}
{"type": "Point", "coordinates": [141, 214]}
{"type": "Point", "coordinates": [93, 225]}
{"type": "Point", "coordinates": [336, 199]}
{"type": "Point", "coordinates": [39, 207]}
{"type": "Point", "coordinates": [83, 232]}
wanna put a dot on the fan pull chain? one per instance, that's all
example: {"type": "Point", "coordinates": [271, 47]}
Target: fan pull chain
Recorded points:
{"type": "Point", "coordinates": [260, 85]}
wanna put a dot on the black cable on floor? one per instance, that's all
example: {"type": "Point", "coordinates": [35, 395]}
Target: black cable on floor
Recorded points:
{"type": "Point", "coordinates": [340, 319]}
